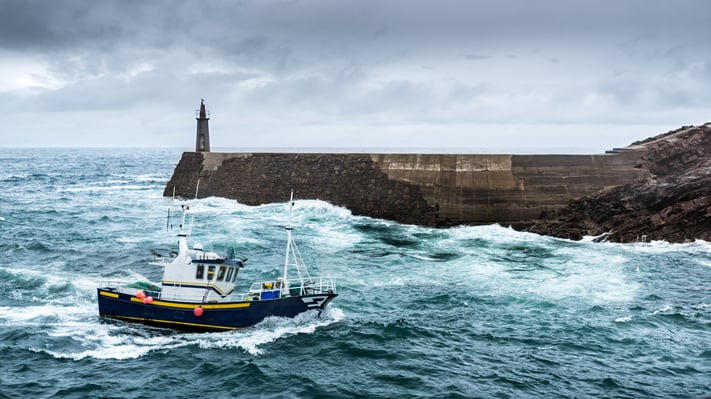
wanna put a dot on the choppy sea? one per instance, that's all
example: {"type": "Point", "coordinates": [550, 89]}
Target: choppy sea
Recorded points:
{"type": "Point", "coordinates": [466, 312]}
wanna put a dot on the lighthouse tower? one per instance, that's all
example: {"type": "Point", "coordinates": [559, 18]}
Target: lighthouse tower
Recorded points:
{"type": "Point", "coordinates": [202, 140]}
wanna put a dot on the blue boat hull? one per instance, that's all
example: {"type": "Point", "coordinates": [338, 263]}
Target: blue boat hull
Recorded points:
{"type": "Point", "coordinates": [215, 316]}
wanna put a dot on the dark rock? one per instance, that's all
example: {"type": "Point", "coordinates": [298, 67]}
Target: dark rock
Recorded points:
{"type": "Point", "coordinates": [674, 204]}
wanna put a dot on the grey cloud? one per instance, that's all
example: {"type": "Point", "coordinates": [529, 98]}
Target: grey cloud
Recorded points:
{"type": "Point", "coordinates": [111, 93]}
{"type": "Point", "coordinates": [332, 29]}
{"type": "Point", "coordinates": [476, 57]}
{"type": "Point", "coordinates": [52, 26]}
{"type": "Point", "coordinates": [391, 62]}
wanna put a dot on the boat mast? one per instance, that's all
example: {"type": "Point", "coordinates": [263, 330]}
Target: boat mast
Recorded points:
{"type": "Point", "coordinates": [192, 218]}
{"type": "Point", "coordinates": [288, 237]}
{"type": "Point", "coordinates": [169, 222]}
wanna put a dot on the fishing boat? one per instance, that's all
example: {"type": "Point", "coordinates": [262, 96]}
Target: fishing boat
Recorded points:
{"type": "Point", "coordinates": [198, 290]}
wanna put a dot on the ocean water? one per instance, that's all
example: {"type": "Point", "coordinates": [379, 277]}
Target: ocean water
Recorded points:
{"type": "Point", "coordinates": [466, 312]}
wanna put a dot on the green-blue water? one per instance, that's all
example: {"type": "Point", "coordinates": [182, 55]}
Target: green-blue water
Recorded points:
{"type": "Point", "coordinates": [463, 312]}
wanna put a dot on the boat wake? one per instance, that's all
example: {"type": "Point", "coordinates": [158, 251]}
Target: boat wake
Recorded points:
{"type": "Point", "coordinates": [105, 342]}
{"type": "Point", "coordinates": [253, 340]}
{"type": "Point", "coordinates": [80, 339]}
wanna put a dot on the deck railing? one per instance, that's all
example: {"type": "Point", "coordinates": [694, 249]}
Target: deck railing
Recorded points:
{"type": "Point", "coordinates": [293, 287]}
{"type": "Point", "coordinates": [131, 288]}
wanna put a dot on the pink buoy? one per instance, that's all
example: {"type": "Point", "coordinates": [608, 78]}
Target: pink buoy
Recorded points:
{"type": "Point", "coordinates": [147, 300]}
{"type": "Point", "coordinates": [198, 311]}
{"type": "Point", "coordinates": [140, 295]}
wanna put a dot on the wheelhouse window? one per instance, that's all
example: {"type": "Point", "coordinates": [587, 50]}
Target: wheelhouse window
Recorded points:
{"type": "Point", "coordinates": [200, 272]}
{"type": "Point", "coordinates": [230, 271]}
{"type": "Point", "coordinates": [235, 276]}
{"type": "Point", "coordinates": [221, 273]}
{"type": "Point", "coordinates": [210, 273]}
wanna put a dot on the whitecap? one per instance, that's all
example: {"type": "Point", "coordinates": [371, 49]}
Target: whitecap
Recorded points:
{"type": "Point", "coordinates": [102, 188]}
{"type": "Point", "coordinates": [623, 319]}
{"type": "Point", "coordinates": [599, 237]}
{"type": "Point", "coordinates": [120, 352]}
{"type": "Point", "coordinates": [338, 211]}
{"type": "Point", "coordinates": [333, 239]}
{"type": "Point", "coordinates": [663, 309]}
{"type": "Point", "coordinates": [216, 205]}
{"type": "Point", "coordinates": [107, 344]}
{"type": "Point", "coordinates": [575, 274]}
{"type": "Point", "coordinates": [16, 315]}
{"type": "Point", "coordinates": [420, 257]}
{"type": "Point", "coordinates": [151, 178]}
{"type": "Point", "coordinates": [269, 330]}
{"type": "Point", "coordinates": [663, 247]}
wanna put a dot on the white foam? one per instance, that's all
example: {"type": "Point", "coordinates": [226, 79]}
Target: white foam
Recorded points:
{"type": "Point", "coordinates": [24, 314]}
{"type": "Point", "coordinates": [26, 272]}
{"type": "Point", "coordinates": [340, 212]}
{"type": "Point", "coordinates": [87, 285]}
{"type": "Point", "coordinates": [91, 339]}
{"type": "Point", "coordinates": [116, 181]}
{"type": "Point", "coordinates": [420, 257]}
{"type": "Point", "coordinates": [623, 319]}
{"type": "Point", "coordinates": [269, 330]}
{"type": "Point", "coordinates": [213, 205]}
{"type": "Point", "coordinates": [663, 247]}
{"type": "Point", "coordinates": [609, 285]}
{"type": "Point", "coordinates": [489, 269]}
{"type": "Point", "coordinates": [48, 281]}
{"type": "Point", "coordinates": [593, 238]}
{"type": "Point", "coordinates": [151, 178]}
{"type": "Point", "coordinates": [577, 274]}
{"type": "Point", "coordinates": [397, 281]}
{"type": "Point", "coordinates": [330, 238]}
{"type": "Point", "coordinates": [107, 344]}
{"type": "Point", "coordinates": [119, 352]}
{"type": "Point", "coordinates": [103, 188]}
{"type": "Point", "coordinates": [663, 309]}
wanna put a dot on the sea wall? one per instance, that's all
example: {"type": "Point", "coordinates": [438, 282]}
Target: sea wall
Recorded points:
{"type": "Point", "coordinates": [424, 189]}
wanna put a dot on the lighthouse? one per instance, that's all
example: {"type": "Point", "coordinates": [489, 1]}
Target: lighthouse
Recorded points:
{"type": "Point", "coordinates": [202, 139]}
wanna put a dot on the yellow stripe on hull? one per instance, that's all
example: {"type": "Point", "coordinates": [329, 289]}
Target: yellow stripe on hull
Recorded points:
{"type": "Point", "coordinates": [192, 305]}
{"type": "Point", "coordinates": [171, 322]}
{"type": "Point", "coordinates": [109, 294]}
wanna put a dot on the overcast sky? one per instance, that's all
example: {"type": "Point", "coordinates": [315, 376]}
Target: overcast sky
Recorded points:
{"type": "Point", "coordinates": [503, 75]}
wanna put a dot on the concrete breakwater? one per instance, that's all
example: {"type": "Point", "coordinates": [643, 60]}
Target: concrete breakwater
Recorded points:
{"type": "Point", "coordinates": [424, 189]}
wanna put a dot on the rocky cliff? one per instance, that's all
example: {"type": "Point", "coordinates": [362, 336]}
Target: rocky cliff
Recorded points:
{"type": "Point", "coordinates": [672, 204]}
